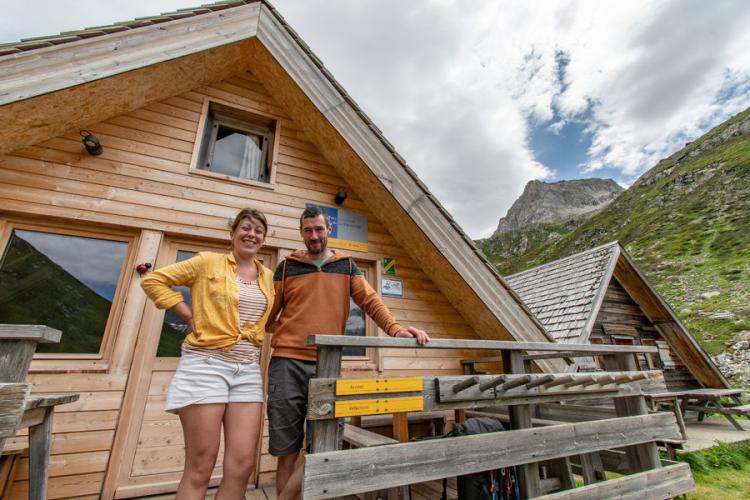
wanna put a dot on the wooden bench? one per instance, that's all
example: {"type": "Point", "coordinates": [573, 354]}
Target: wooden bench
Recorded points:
{"type": "Point", "coordinates": [330, 472]}
{"type": "Point", "coordinates": [17, 347]}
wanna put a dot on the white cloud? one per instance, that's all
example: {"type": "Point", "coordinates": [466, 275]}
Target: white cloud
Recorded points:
{"type": "Point", "coordinates": [457, 86]}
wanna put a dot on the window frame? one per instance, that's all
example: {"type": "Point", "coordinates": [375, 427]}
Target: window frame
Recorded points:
{"type": "Point", "coordinates": [247, 120]}
{"type": "Point", "coordinates": [65, 362]}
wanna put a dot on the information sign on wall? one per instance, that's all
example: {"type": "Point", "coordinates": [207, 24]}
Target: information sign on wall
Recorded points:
{"type": "Point", "coordinates": [392, 287]}
{"type": "Point", "coordinates": [349, 228]}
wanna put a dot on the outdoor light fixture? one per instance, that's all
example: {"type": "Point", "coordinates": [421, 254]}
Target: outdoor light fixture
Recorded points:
{"type": "Point", "coordinates": [91, 143]}
{"type": "Point", "coordinates": [340, 196]}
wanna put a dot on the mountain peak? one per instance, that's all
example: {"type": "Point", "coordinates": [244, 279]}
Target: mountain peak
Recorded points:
{"type": "Point", "coordinates": [558, 201]}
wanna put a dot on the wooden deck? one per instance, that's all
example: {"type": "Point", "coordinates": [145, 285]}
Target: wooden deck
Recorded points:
{"type": "Point", "coordinates": [421, 491]}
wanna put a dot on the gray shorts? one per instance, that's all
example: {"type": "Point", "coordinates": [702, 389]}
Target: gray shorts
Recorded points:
{"type": "Point", "coordinates": [288, 382]}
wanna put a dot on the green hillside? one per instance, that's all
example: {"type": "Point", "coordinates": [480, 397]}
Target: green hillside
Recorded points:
{"type": "Point", "coordinates": [686, 222]}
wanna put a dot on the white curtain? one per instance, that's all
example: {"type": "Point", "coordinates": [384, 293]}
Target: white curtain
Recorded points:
{"type": "Point", "coordinates": [251, 157]}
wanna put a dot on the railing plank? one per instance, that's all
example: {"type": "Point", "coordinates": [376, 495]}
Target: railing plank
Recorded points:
{"type": "Point", "coordinates": [338, 473]}
{"type": "Point", "coordinates": [496, 345]}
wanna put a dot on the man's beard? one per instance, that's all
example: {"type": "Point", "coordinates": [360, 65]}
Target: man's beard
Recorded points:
{"type": "Point", "coordinates": [322, 243]}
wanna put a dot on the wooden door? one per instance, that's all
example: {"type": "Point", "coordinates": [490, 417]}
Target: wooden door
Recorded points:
{"type": "Point", "coordinates": [149, 438]}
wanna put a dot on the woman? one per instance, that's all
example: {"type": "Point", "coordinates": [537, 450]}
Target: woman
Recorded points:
{"type": "Point", "coordinates": [218, 379]}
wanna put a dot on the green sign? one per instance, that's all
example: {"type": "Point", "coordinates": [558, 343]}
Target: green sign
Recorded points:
{"type": "Point", "coordinates": [389, 265]}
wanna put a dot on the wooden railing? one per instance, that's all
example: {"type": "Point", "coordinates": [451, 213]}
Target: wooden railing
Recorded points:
{"type": "Point", "coordinates": [330, 473]}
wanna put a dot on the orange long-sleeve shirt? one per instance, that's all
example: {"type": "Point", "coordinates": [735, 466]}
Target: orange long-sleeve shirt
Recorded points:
{"type": "Point", "coordinates": [315, 300]}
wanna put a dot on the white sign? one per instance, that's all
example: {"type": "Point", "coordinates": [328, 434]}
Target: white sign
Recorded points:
{"type": "Point", "coordinates": [392, 287]}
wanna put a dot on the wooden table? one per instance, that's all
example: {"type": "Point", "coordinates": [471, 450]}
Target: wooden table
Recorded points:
{"type": "Point", "coordinates": [704, 400]}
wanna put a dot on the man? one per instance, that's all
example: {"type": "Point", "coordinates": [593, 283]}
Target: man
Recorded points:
{"type": "Point", "coordinates": [312, 292]}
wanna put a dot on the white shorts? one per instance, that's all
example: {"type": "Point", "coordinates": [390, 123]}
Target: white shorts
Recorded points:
{"type": "Point", "coordinates": [202, 379]}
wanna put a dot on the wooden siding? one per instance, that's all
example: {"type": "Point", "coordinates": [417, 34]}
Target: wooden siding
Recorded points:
{"type": "Point", "coordinates": [141, 184]}
{"type": "Point", "coordinates": [621, 320]}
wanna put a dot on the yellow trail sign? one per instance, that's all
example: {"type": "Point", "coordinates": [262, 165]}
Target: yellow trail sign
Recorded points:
{"type": "Point", "coordinates": [378, 406]}
{"type": "Point", "coordinates": [347, 387]}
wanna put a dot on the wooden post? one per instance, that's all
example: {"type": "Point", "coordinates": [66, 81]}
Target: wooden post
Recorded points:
{"type": "Point", "coordinates": [401, 427]}
{"type": "Point", "coordinates": [520, 418]}
{"type": "Point", "coordinates": [40, 441]}
{"type": "Point", "coordinates": [643, 456]}
{"type": "Point", "coordinates": [325, 433]}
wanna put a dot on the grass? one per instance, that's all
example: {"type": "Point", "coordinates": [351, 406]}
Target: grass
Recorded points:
{"type": "Point", "coordinates": [721, 472]}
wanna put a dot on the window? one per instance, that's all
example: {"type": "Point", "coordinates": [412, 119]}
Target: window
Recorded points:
{"type": "Point", "coordinates": [174, 329]}
{"type": "Point", "coordinates": [358, 324]}
{"type": "Point", "coordinates": [236, 143]}
{"type": "Point", "coordinates": [63, 281]}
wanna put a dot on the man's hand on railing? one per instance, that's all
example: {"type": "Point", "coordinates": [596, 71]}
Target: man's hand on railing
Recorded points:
{"type": "Point", "coordinates": [412, 332]}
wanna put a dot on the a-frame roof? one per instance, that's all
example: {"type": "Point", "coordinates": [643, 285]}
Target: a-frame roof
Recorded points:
{"type": "Point", "coordinates": [566, 296]}
{"type": "Point", "coordinates": [88, 76]}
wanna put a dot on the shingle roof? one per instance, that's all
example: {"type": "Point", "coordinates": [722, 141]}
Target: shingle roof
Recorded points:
{"type": "Point", "coordinates": [39, 42]}
{"type": "Point", "coordinates": [563, 293]}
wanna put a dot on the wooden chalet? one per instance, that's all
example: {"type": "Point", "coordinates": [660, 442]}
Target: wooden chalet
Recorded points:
{"type": "Point", "coordinates": [601, 297]}
{"type": "Point", "coordinates": [165, 97]}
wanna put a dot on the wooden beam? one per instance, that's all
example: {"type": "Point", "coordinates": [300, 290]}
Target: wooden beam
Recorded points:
{"type": "Point", "coordinates": [391, 342]}
{"type": "Point", "coordinates": [38, 333]}
{"type": "Point", "coordinates": [44, 71]}
{"type": "Point", "coordinates": [347, 472]}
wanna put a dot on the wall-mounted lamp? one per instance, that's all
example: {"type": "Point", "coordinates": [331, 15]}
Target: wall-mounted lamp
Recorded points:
{"type": "Point", "coordinates": [143, 268]}
{"type": "Point", "coordinates": [340, 196]}
{"type": "Point", "coordinates": [91, 143]}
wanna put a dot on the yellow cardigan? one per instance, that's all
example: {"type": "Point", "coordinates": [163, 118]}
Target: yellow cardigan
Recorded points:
{"type": "Point", "coordinates": [214, 294]}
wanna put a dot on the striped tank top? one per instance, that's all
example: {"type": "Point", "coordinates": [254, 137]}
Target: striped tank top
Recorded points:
{"type": "Point", "coordinates": [252, 306]}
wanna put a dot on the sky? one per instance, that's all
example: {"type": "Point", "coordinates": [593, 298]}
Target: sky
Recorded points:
{"type": "Point", "coordinates": [481, 97]}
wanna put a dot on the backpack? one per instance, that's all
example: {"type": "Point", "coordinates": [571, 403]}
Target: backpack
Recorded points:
{"type": "Point", "coordinates": [497, 484]}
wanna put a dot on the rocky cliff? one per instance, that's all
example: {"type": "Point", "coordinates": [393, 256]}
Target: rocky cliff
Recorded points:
{"type": "Point", "coordinates": [543, 202]}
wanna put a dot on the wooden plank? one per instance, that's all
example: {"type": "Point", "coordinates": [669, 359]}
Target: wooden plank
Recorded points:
{"type": "Point", "coordinates": [337, 473]}
{"type": "Point", "coordinates": [46, 400]}
{"type": "Point", "coordinates": [63, 486]}
{"type": "Point", "coordinates": [392, 342]}
{"type": "Point", "coordinates": [38, 333]}
{"type": "Point", "coordinates": [667, 482]}
{"type": "Point", "coordinates": [73, 442]}
{"type": "Point", "coordinates": [362, 438]}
